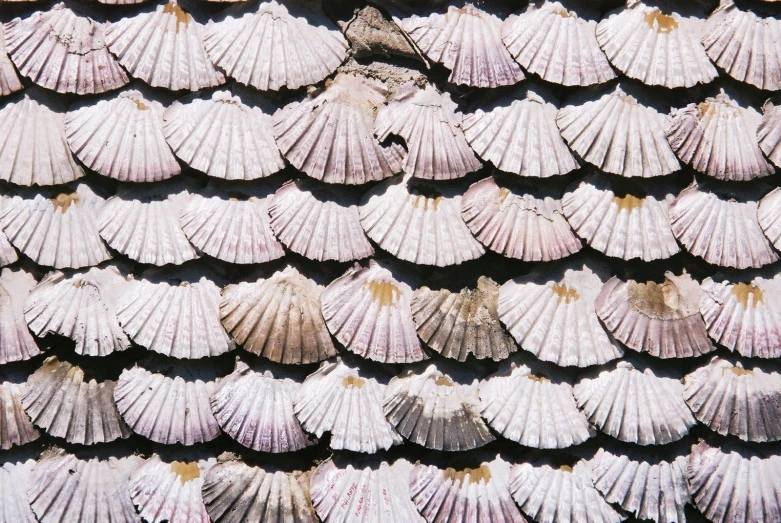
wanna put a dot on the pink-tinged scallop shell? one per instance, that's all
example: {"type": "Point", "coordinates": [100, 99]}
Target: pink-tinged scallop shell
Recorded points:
{"type": "Point", "coordinates": [8, 254]}
{"type": "Point", "coordinates": [16, 428]}
{"type": "Point", "coordinates": [769, 132]}
{"type": "Point", "coordinates": [16, 342]}
{"type": "Point", "coordinates": [769, 216]}
{"type": "Point", "coordinates": [9, 78]}
{"type": "Point", "coordinates": [14, 481]}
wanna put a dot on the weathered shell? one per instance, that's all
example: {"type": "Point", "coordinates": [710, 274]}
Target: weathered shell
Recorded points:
{"type": "Point", "coordinates": [256, 410]}
{"type": "Point", "coordinates": [655, 46]}
{"type": "Point", "coordinates": [429, 124]}
{"type": "Point", "coordinates": [9, 83]}
{"type": "Point", "coordinates": [369, 492]}
{"type": "Point", "coordinates": [468, 41]}
{"type": "Point", "coordinates": [60, 50]}
{"type": "Point", "coordinates": [16, 342]}
{"type": "Point", "coordinates": [555, 43]}
{"type": "Point", "coordinates": [769, 132]}
{"type": "Point", "coordinates": [278, 318]}
{"type": "Point", "coordinates": [164, 409]}
{"type": "Point", "coordinates": [347, 402]}
{"type": "Point", "coordinates": [428, 408]}
{"type": "Point", "coordinates": [122, 138]}
{"type": "Point", "coordinates": [80, 307]}
{"type": "Point", "coordinates": [59, 231]}
{"type": "Point", "coordinates": [223, 136]}
{"type": "Point", "coordinates": [719, 138]}
{"type": "Point", "coordinates": [634, 406]}
{"type": "Point", "coordinates": [556, 321]}
{"type": "Point", "coordinates": [16, 428]}
{"type": "Point", "coordinates": [520, 136]}
{"type": "Point", "coordinates": [14, 481]}
{"type": "Point", "coordinates": [164, 48]}
{"type": "Point", "coordinates": [61, 401]}
{"type": "Point", "coordinates": [619, 135]}
{"type": "Point", "coordinates": [368, 311]}
{"type": "Point", "coordinates": [8, 254]}
{"type": "Point", "coordinates": [319, 222]}
{"type": "Point", "coordinates": [769, 216]}
{"type": "Point", "coordinates": [418, 222]}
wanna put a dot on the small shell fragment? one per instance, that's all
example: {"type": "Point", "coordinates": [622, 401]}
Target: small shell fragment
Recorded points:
{"type": "Point", "coordinates": [16, 428]}
{"type": "Point", "coordinates": [16, 342]}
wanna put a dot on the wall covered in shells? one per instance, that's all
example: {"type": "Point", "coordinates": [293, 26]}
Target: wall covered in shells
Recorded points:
{"type": "Point", "coordinates": [293, 261]}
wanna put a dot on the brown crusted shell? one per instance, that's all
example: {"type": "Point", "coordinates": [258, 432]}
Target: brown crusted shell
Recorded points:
{"type": "Point", "coordinates": [16, 342]}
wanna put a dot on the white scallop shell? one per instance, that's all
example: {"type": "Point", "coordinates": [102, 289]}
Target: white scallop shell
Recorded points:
{"type": "Point", "coordinates": [722, 232]}
{"type": "Point", "coordinates": [320, 223]}
{"type": "Point", "coordinates": [468, 41]}
{"type": "Point", "coordinates": [8, 254]}
{"type": "Point", "coordinates": [61, 401]}
{"type": "Point", "coordinates": [60, 50]}
{"type": "Point", "coordinates": [429, 124]}
{"type": "Point", "coordinates": [33, 148]}
{"type": "Point", "coordinates": [532, 410]}
{"type": "Point", "coordinates": [368, 311]}
{"type": "Point", "coordinates": [14, 481]}
{"type": "Point", "coordinates": [273, 48]}
{"type": "Point", "coordinates": [16, 342]}
{"type": "Point", "coordinates": [619, 135]}
{"type": "Point", "coordinates": [769, 132]}
{"type": "Point", "coordinates": [719, 138]}
{"type": "Point", "coordinates": [744, 317]}
{"type": "Point", "coordinates": [122, 138]}
{"type": "Point", "coordinates": [235, 492]}
{"type": "Point", "coordinates": [369, 492]}
{"type": "Point", "coordinates": [563, 495]}
{"type": "Point", "coordinates": [516, 224]}
{"type": "Point", "coordinates": [166, 410]}
{"type": "Point", "coordinates": [520, 136]}
{"type": "Point", "coordinates": [9, 83]}
{"type": "Point", "coordinates": [634, 406]}
{"type": "Point", "coordinates": [347, 402]}
{"type": "Point", "coordinates": [330, 137]}
{"type": "Point", "coordinates": [769, 216]}
{"type": "Point", "coordinates": [556, 321]}
{"type": "Point", "coordinates": [418, 222]}
{"type": "Point", "coordinates": [81, 308]}
{"type": "Point", "coordinates": [59, 232]}
{"type": "Point", "coordinates": [662, 319]}
{"type": "Point", "coordinates": [16, 428]}
{"type": "Point", "coordinates": [479, 495]}
{"type": "Point", "coordinates": [744, 45]}
{"type": "Point", "coordinates": [256, 410]}
{"type": "Point", "coordinates": [655, 46]}
{"type": "Point", "coordinates": [223, 136]}
{"type": "Point", "coordinates": [164, 48]}
{"type": "Point", "coordinates": [278, 318]}
{"type": "Point", "coordinates": [428, 408]}
{"type": "Point", "coordinates": [650, 490]}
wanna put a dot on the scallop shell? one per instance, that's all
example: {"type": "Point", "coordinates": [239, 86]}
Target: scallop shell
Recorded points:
{"type": "Point", "coordinates": [457, 324]}
{"type": "Point", "coordinates": [122, 138]}
{"type": "Point", "coordinates": [662, 319]}
{"type": "Point", "coordinates": [520, 136]}
{"type": "Point", "coordinates": [769, 132]}
{"type": "Point", "coordinates": [9, 83]}
{"type": "Point", "coordinates": [428, 408]}
{"type": "Point", "coordinates": [619, 135]}
{"type": "Point", "coordinates": [330, 137]}
{"type": "Point", "coordinates": [164, 409]}
{"type": "Point", "coordinates": [62, 51]}
{"type": "Point", "coordinates": [278, 318]}
{"type": "Point", "coordinates": [59, 399]}
{"type": "Point", "coordinates": [468, 41]}
{"type": "Point", "coordinates": [223, 136]}
{"type": "Point", "coordinates": [14, 481]}
{"type": "Point", "coordinates": [555, 43]}
{"type": "Point", "coordinates": [8, 254]}
{"type": "Point", "coordinates": [480, 495]}
{"type": "Point", "coordinates": [369, 492]}
{"type": "Point", "coordinates": [744, 45]}
{"type": "Point", "coordinates": [347, 402]}
{"type": "Point", "coordinates": [368, 311]}
{"type": "Point", "coordinates": [556, 321]}
{"type": "Point", "coordinates": [164, 48]}
{"type": "Point", "coordinates": [33, 148]}
{"type": "Point", "coordinates": [563, 495]}
{"type": "Point", "coordinates": [59, 231]}
{"type": "Point", "coordinates": [722, 232]}
{"type": "Point", "coordinates": [653, 490]}
{"type": "Point", "coordinates": [16, 428]}
{"type": "Point", "coordinates": [655, 46]}
{"type": "Point", "coordinates": [719, 138]}
{"type": "Point", "coordinates": [418, 222]}
{"type": "Point", "coordinates": [256, 410]}
{"type": "Point", "coordinates": [428, 123]}
{"type": "Point", "coordinates": [769, 216]}
{"type": "Point", "coordinates": [16, 342]}
{"type": "Point", "coordinates": [235, 492]}
{"type": "Point", "coordinates": [531, 409]}
{"type": "Point", "coordinates": [81, 308]}
{"type": "Point", "coordinates": [634, 406]}
{"type": "Point", "coordinates": [320, 223]}
{"type": "Point", "coordinates": [273, 47]}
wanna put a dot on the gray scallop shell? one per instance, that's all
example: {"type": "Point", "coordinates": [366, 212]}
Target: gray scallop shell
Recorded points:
{"type": "Point", "coordinates": [16, 342]}
{"type": "Point", "coordinates": [16, 428]}
{"type": "Point", "coordinates": [9, 78]}
{"type": "Point", "coordinates": [14, 481]}
{"type": "Point", "coordinates": [769, 132]}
